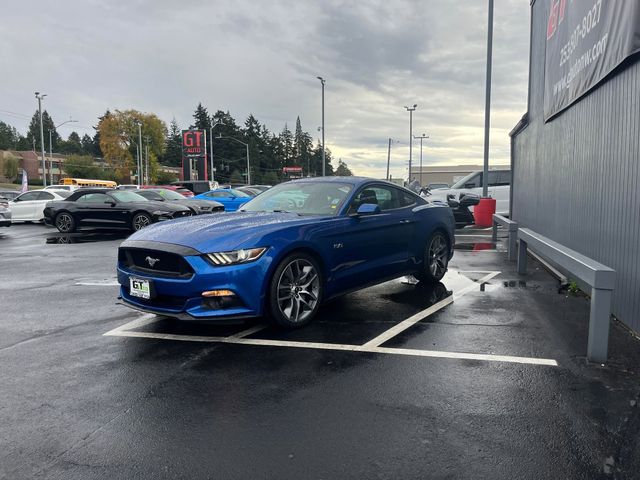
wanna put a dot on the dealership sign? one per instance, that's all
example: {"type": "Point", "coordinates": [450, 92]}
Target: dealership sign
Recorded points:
{"type": "Point", "coordinates": [193, 143]}
{"type": "Point", "coordinates": [292, 170]}
{"type": "Point", "coordinates": [586, 40]}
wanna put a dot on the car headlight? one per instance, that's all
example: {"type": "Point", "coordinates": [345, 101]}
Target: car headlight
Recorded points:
{"type": "Point", "coordinates": [236, 256]}
{"type": "Point", "coordinates": [160, 213]}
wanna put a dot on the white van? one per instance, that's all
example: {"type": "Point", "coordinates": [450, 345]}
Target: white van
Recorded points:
{"type": "Point", "coordinates": [499, 188]}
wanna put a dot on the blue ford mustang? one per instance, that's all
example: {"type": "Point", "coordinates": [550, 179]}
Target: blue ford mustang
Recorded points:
{"type": "Point", "coordinates": [286, 251]}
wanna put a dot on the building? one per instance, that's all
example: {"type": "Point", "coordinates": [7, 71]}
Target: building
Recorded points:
{"type": "Point", "coordinates": [449, 174]}
{"type": "Point", "coordinates": [576, 152]}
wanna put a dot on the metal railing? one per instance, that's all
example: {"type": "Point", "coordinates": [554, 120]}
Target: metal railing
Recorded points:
{"type": "Point", "coordinates": [512, 228]}
{"type": "Point", "coordinates": [599, 277]}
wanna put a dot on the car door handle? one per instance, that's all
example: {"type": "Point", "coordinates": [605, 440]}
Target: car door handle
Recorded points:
{"type": "Point", "coordinates": [405, 221]}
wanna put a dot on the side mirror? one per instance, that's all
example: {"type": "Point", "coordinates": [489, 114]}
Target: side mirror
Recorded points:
{"type": "Point", "coordinates": [368, 209]}
{"type": "Point", "coordinates": [110, 202]}
{"type": "Point", "coordinates": [469, 201]}
{"type": "Point", "coordinates": [453, 203]}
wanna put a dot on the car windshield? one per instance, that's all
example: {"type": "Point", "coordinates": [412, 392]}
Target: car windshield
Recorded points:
{"type": "Point", "coordinates": [149, 195]}
{"type": "Point", "coordinates": [304, 198]}
{"type": "Point", "coordinates": [238, 193]}
{"type": "Point", "coordinates": [169, 194]}
{"type": "Point", "coordinates": [460, 183]}
{"type": "Point", "coordinates": [126, 196]}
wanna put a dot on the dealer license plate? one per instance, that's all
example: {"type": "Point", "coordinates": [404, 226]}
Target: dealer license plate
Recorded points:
{"type": "Point", "coordinates": [140, 288]}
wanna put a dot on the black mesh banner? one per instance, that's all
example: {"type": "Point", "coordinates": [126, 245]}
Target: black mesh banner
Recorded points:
{"type": "Point", "coordinates": [586, 40]}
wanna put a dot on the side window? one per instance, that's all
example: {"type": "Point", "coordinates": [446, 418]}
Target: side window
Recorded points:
{"type": "Point", "coordinates": [45, 196]}
{"type": "Point", "coordinates": [220, 194]}
{"type": "Point", "coordinates": [96, 198]}
{"type": "Point", "coordinates": [29, 196]}
{"type": "Point", "coordinates": [474, 182]}
{"type": "Point", "coordinates": [493, 179]}
{"type": "Point", "coordinates": [504, 177]}
{"type": "Point", "coordinates": [385, 197]}
{"type": "Point", "coordinates": [406, 199]}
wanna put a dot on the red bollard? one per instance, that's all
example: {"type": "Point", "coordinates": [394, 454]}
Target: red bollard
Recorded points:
{"type": "Point", "coordinates": [483, 212]}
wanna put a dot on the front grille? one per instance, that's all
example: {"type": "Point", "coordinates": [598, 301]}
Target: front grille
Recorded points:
{"type": "Point", "coordinates": [181, 214]}
{"type": "Point", "coordinates": [155, 262]}
{"type": "Point", "coordinates": [160, 301]}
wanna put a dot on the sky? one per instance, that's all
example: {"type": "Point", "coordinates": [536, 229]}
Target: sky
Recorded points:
{"type": "Point", "coordinates": [263, 57]}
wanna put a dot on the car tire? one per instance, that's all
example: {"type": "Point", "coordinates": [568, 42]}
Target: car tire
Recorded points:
{"type": "Point", "coordinates": [296, 291]}
{"type": "Point", "coordinates": [435, 258]}
{"type": "Point", "coordinates": [65, 223]}
{"type": "Point", "coordinates": [140, 220]}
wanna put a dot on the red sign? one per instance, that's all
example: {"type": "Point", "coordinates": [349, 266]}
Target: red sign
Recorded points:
{"type": "Point", "coordinates": [292, 170]}
{"type": "Point", "coordinates": [193, 143]}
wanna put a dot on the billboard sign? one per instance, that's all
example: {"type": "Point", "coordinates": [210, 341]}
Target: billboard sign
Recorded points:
{"type": "Point", "coordinates": [586, 40]}
{"type": "Point", "coordinates": [194, 155]}
{"type": "Point", "coordinates": [292, 170]}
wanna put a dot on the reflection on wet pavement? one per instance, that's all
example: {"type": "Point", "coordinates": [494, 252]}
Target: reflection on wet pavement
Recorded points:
{"type": "Point", "coordinates": [86, 237]}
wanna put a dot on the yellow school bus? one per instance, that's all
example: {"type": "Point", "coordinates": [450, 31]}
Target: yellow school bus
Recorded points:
{"type": "Point", "coordinates": [83, 182]}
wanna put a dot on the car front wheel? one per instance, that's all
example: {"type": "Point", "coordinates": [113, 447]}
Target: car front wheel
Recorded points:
{"type": "Point", "coordinates": [296, 291]}
{"type": "Point", "coordinates": [436, 258]}
{"type": "Point", "coordinates": [65, 222]}
{"type": "Point", "coordinates": [139, 221]}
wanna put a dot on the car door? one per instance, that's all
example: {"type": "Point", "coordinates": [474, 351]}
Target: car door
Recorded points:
{"type": "Point", "coordinates": [24, 206]}
{"type": "Point", "coordinates": [92, 209]}
{"type": "Point", "coordinates": [43, 199]}
{"type": "Point", "coordinates": [502, 191]}
{"type": "Point", "coordinates": [372, 247]}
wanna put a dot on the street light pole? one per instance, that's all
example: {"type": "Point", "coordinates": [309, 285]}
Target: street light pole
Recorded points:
{"type": "Point", "coordinates": [211, 147]}
{"type": "Point", "coordinates": [146, 175]}
{"type": "Point", "coordinates": [421, 137]}
{"type": "Point", "coordinates": [139, 123]}
{"type": "Point", "coordinates": [323, 160]}
{"type": "Point", "coordinates": [44, 172]}
{"type": "Point", "coordinates": [51, 149]}
{"type": "Point", "coordinates": [247, 146]}
{"type": "Point", "coordinates": [411, 110]}
{"type": "Point", "coordinates": [487, 104]}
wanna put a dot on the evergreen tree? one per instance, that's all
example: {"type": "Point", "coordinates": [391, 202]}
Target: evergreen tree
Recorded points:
{"type": "Point", "coordinates": [73, 144]}
{"type": "Point", "coordinates": [47, 124]}
{"type": "Point", "coordinates": [173, 152]}
{"type": "Point", "coordinates": [343, 169]}
{"type": "Point", "coordinates": [9, 137]}
{"type": "Point", "coordinates": [286, 145]}
{"type": "Point", "coordinates": [87, 145]}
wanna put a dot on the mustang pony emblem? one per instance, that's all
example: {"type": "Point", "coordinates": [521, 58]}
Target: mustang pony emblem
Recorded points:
{"type": "Point", "coordinates": [151, 261]}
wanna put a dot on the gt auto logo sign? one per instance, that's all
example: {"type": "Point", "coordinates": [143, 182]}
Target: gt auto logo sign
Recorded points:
{"type": "Point", "coordinates": [193, 143]}
{"type": "Point", "coordinates": [556, 16]}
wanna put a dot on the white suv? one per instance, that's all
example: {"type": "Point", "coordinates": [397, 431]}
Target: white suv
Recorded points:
{"type": "Point", "coordinates": [499, 188]}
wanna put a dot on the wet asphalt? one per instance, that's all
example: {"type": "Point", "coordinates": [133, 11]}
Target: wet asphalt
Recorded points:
{"type": "Point", "coordinates": [75, 404]}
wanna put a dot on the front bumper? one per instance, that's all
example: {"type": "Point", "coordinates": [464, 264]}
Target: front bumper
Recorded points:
{"type": "Point", "coordinates": [182, 297]}
{"type": "Point", "coordinates": [5, 219]}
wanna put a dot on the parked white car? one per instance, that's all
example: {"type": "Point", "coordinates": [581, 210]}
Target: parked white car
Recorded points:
{"type": "Point", "coordinates": [69, 188]}
{"type": "Point", "coordinates": [499, 188]}
{"type": "Point", "coordinates": [29, 206]}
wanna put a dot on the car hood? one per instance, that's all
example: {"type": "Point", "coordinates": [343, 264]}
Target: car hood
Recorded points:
{"type": "Point", "coordinates": [221, 232]}
{"type": "Point", "coordinates": [192, 202]}
{"type": "Point", "coordinates": [152, 206]}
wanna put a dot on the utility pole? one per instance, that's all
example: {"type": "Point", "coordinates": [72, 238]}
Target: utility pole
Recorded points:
{"type": "Point", "coordinates": [421, 137]}
{"type": "Point", "coordinates": [391, 140]}
{"type": "Point", "coordinates": [487, 104]}
{"type": "Point", "coordinates": [411, 110]}
{"type": "Point", "coordinates": [44, 172]}
{"type": "Point", "coordinates": [323, 157]}
{"type": "Point", "coordinates": [211, 147]}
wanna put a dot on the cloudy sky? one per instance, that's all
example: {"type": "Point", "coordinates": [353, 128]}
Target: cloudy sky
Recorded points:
{"type": "Point", "coordinates": [262, 57]}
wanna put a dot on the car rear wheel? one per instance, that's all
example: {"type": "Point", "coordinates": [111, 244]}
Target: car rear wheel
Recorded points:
{"type": "Point", "coordinates": [65, 222]}
{"type": "Point", "coordinates": [139, 221]}
{"type": "Point", "coordinates": [296, 291]}
{"type": "Point", "coordinates": [436, 258]}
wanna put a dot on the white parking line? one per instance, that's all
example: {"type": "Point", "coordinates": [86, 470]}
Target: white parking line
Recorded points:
{"type": "Point", "coordinates": [98, 284]}
{"type": "Point", "coordinates": [408, 323]}
{"type": "Point", "coordinates": [372, 346]}
{"type": "Point", "coordinates": [333, 346]}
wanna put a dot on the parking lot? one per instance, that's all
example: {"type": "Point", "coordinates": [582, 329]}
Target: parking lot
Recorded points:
{"type": "Point", "coordinates": [482, 376]}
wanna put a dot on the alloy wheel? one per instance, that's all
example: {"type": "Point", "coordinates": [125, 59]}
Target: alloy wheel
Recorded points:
{"type": "Point", "coordinates": [140, 221]}
{"type": "Point", "coordinates": [298, 290]}
{"type": "Point", "coordinates": [438, 253]}
{"type": "Point", "coordinates": [64, 222]}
